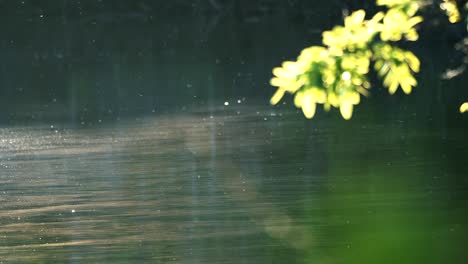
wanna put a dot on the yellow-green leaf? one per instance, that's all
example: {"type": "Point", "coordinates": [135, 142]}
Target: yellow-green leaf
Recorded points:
{"type": "Point", "coordinates": [393, 86]}
{"type": "Point", "coordinates": [346, 110]}
{"type": "Point", "coordinates": [298, 99]}
{"type": "Point", "coordinates": [464, 107]}
{"type": "Point", "coordinates": [355, 19]}
{"type": "Point", "coordinates": [406, 87]}
{"type": "Point", "coordinates": [413, 61]}
{"type": "Point", "coordinates": [308, 105]}
{"type": "Point", "coordinates": [277, 96]}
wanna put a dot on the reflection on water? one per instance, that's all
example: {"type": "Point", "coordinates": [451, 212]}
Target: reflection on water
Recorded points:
{"type": "Point", "coordinates": [235, 186]}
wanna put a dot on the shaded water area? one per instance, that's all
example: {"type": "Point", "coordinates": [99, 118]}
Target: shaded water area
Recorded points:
{"type": "Point", "coordinates": [141, 133]}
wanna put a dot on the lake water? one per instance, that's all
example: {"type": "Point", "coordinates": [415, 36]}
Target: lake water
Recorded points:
{"type": "Point", "coordinates": [140, 132]}
{"type": "Point", "coordinates": [239, 184]}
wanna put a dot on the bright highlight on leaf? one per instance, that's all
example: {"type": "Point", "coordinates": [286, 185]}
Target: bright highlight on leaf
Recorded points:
{"type": "Point", "coordinates": [464, 107]}
{"type": "Point", "coordinates": [336, 75]}
{"type": "Point", "coordinates": [451, 9]}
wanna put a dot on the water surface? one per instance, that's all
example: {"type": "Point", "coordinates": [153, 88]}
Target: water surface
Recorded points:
{"type": "Point", "coordinates": [235, 185]}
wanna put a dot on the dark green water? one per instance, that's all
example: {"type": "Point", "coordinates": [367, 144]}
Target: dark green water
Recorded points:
{"type": "Point", "coordinates": [116, 145]}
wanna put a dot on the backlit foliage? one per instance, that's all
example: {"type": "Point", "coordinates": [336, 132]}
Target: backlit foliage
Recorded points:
{"type": "Point", "coordinates": [451, 9]}
{"type": "Point", "coordinates": [335, 75]}
{"type": "Point", "coordinates": [464, 106]}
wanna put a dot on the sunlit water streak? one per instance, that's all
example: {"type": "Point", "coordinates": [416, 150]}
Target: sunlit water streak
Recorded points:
{"type": "Point", "coordinates": [170, 188]}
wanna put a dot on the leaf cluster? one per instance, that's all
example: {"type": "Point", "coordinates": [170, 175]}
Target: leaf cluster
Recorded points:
{"type": "Point", "coordinates": [335, 75]}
